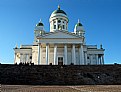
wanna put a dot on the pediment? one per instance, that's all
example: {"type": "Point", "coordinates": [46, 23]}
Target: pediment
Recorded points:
{"type": "Point", "coordinates": [60, 34]}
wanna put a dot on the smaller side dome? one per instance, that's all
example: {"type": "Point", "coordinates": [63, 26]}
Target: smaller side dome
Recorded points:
{"type": "Point", "coordinates": [79, 24]}
{"type": "Point", "coordinates": [79, 29]}
{"type": "Point", "coordinates": [39, 26]}
{"type": "Point", "coordinates": [40, 23]}
{"type": "Point", "coordinates": [38, 31]}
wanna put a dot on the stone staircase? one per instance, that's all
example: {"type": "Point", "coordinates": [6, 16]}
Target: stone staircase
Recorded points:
{"type": "Point", "coordinates": [60, 75]}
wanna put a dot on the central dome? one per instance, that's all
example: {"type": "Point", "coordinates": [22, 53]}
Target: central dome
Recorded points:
{"type": "Point", "coordinates": [59, 11]}
{"type": "Point", "coordinates": [58, 20]}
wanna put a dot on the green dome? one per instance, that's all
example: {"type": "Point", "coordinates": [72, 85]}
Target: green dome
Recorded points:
{"type": "Point", "coordinates": [59, 11]}
{"type": "Point", "coordinates": [40, 24]}
{"type": "Point", "coordinates": [78, 24]}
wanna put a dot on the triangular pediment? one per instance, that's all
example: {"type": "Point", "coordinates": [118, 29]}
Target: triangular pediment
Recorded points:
{"type": "Point", "coordinates": [60, 34]}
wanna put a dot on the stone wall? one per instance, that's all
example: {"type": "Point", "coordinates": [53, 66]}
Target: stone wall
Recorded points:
{"type": "Point", "coordinates": [60, 75]}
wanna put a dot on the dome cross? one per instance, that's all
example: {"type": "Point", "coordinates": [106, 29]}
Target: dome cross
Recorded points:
{"type": "Point", "coordinates": [58, 7]}
{"type": "Point", "coordinates": [78, 21]}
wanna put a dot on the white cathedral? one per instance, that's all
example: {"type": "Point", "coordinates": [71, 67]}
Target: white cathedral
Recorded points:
{"type": "Point", "coordinates": [59, 46]}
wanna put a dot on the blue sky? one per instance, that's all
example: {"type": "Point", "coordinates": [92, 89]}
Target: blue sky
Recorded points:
{"type": "Point", "coordinates": [100, 18]}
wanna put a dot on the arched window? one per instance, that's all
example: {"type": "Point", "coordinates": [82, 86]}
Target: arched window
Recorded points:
{"type": "Point", "coordinates": [54, 26]}
{"type": "Point", "coordinates": [63, 27]}
{"type": "Point", "coordinates": [59, 21]}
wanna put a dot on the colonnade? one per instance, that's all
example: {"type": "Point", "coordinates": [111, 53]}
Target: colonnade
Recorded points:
{"type": "Point", "coordinates": [25, 58]}
{"type": "Point", "coordinates": [81, 52]}
{"type": "Point", "coordinates": [97, 59]}
{"type": "Point", "coordinates": [100, 59]}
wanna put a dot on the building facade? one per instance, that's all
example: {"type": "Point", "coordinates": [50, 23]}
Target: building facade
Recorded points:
{"type": "Point", "coordinates": [59, 46]}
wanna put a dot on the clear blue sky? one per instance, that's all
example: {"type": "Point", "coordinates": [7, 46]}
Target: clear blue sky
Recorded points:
{"type": "Point", "coordinates": [100, 18]}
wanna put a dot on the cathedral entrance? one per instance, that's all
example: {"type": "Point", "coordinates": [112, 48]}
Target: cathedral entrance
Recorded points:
{"type": "Point", "coordinates": [60, 60]}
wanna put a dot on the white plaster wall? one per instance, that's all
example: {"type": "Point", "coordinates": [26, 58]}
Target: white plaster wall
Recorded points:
{"type": "Point", "coordinates": [94, 59]}
{"type": "Point", "coordinates": [35, 55]}
{"type": "Point", "coordinates": [69, 56]}
{"type": "Point", "coordinates": [77, 58]}
{"type": "Point", "coordinates": [43, 56]}
{"type": "Point", "coordinates": [43, 59]}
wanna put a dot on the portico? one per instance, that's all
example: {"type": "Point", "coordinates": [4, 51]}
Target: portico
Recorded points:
{"type": "Point", "coordinates": [60, 51]}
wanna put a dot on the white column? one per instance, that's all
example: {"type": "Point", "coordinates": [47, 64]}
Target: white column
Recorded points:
{"type": "Point", "coordinates": [91, 57]}
{"type": "Point", "coordinates": [97, 60]}
{"type": "Point", "coordinates": [85, 57]}
{"type": "Point", "coordinates": [55, 54]}
{"type": "Point", "coordinates": [28, 58]}
{"type": "Point", "coordinates": [102, 59]}
{"type": "Point", "coordinates": [39, 54]}
{"type": "Point", "coordinates": [81, 55]}
{"type": "Point", "coordinates": [65, 54]}
{"type": "Point", "coordinates": [73, 54]}
{"type": "Point", "coordinates": [56, 24]}
{"type": "Point", "coordinates": [47, 54]}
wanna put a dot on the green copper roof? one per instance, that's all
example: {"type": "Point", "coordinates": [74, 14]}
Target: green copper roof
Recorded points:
{"type": "Point", "coordinates": [40, 24]}
{"type": "Point", "coordinates": [79, 24]}
{"type": "Point", "coordinates": [59, 11]}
